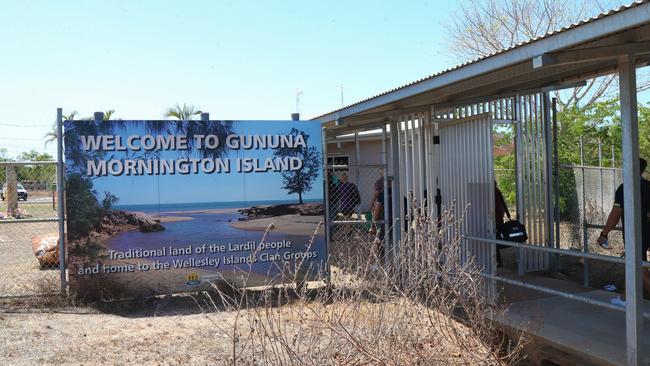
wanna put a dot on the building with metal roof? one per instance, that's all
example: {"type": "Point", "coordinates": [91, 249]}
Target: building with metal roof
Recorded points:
{"type": "Point", "coordinates": [433, 138]}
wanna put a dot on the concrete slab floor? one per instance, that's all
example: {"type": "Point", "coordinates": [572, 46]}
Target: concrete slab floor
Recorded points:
{"type": "Point", "coordinates": [588, 332]}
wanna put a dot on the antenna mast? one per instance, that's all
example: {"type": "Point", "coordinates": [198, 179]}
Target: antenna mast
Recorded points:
{"type": "Point", "coordinates": [298, 96]}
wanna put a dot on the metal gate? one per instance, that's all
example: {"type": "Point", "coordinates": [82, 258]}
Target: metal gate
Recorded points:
{"type": "Point", "coordinates": [467, 183]}
{"type": "Point", "coordinates": [533, 144]}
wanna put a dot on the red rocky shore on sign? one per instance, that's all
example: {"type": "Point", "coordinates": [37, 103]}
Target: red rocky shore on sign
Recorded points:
{"type": "Point", "coordinates": [118, 219]}
{"type": "Point", "coordinates": [116, 222]}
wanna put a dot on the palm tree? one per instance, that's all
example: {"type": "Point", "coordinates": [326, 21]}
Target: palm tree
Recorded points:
{"type": "Point", "coordinates": [182, 126]}
{"type": "Point", "coordinates": [108, 114]}
{"type": "Point", "coordinates": [51, 136]}
{"type": "Point", "coordinates": [185, 112]}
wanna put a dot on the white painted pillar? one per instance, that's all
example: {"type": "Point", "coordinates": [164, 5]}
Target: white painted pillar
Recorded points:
{"type": "Point", "coordinates": [632, 207]}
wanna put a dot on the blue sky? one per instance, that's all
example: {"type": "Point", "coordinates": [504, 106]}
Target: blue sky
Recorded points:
{"type": "Point", "coordinates": [212, 187]}
{"type": "Point", "coordinates": [234, 59]}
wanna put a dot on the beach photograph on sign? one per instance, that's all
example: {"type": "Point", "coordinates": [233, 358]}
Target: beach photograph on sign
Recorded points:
{"type": "Point", "coordinates": [160, 207]}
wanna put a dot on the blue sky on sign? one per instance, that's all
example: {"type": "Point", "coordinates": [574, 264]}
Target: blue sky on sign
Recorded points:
{"type": "Point", "coordinates": [178, 188]}
{"type": "Point", "coordinates": [234, 59]}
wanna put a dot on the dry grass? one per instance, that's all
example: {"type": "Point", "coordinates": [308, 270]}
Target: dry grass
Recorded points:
{"type": "Point", "coordinates": [420, 306]}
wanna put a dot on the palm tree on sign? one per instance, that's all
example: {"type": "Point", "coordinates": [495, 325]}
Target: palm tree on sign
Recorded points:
{"type": "Point", "coordinates": [51, 136]}
{"type": "Point", "coordinates": [185, 112]}
{"type": "Point", "coordinates": [181, 125]}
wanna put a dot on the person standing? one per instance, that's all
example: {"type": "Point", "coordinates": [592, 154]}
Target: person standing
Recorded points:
{"type": "Point", "coordinates": [616, 214]}
{"type": "Point", "coordinates": [348, 196]}
{"type": "Point", "coordinates": [377, 201]}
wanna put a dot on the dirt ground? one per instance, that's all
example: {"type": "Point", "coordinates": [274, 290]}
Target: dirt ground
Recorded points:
{"type": "Point", "coordinates": [160, 332]}
{"type": "Point", "coordinates": [20, 272]}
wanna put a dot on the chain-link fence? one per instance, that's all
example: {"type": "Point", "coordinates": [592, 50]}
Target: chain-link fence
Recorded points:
{"type": "Point", "coordinates": [586, 201]}
{"type": "Point", "coordinates": [356, 211]}
{"type": "Point", "coordinates": [29, 257]}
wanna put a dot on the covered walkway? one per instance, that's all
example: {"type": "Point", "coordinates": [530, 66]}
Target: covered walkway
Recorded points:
{"type": "Point", "coordinates": [436, 145]}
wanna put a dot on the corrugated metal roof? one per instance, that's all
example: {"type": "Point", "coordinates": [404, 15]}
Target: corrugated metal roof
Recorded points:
{"type": "Point", "coordinates": [529, 41]}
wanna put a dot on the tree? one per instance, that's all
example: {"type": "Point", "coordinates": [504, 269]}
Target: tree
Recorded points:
{"type": "Point", "coordinates": [483, 27]}
{"type": "Point", "coordinates": [185, 112]}
{"type": "Point", "coordinates": [300, 181]}
{"type": "Point", "coordinates": [51, 136]}
{"type": "Point", "coordinates": [39, 177]}
{"type": "Point", "coordinates": [109, 201]}
{"type": "Point", "coordinates": [84, 212]}
{"type": "Point", "coordinates": [72, 133]}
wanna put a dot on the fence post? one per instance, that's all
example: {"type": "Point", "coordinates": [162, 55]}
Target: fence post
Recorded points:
{"type": "Point", "coordinates": [395, 183]}
{"type": "Point", "coordinates": [60, 173]}
{"type": "Point", "coordinates": [585, 232]}
{"type": "Point", "coordinates": [11, 192]}
{"type": "Point", "coordinates": [326, 190]}
{"type": "Point", "coordinates": [602, 197]}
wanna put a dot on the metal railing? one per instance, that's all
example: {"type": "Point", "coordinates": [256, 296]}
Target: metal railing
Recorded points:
{"type": "Point", "coordinates": [555, 251]}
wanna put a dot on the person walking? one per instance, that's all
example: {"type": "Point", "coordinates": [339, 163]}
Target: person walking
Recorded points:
{"type": "Point", "coordinates": [616, 214]}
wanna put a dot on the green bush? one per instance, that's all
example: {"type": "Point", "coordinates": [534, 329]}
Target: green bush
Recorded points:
{"type": "Point", "coordinates": [84, 211]}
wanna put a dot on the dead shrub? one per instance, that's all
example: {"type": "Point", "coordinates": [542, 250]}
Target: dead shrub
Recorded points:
{"type": "Point", "coordinates": [421, 304]}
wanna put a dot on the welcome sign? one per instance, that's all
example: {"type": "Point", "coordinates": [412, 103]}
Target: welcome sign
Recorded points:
{"type": "Point", "coordinates": [175, 206]}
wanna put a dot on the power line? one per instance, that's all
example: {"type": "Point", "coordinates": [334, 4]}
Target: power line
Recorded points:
{"type": "Point", "coordinates": [22, 138]}
{"type": "Point", "coordinates": [23, 125]}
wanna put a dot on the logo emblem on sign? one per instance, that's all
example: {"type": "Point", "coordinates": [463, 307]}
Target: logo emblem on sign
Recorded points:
{"type": "Point", "coordinates": [193, 279]}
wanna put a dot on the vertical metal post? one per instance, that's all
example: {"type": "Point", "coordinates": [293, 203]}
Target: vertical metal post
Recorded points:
{"type": "Point", "coordinates": [60, 181]}
{"type": "Point", "coordinates": [613, 158]}
{"type": "Point", "coordinates": [327, 202]}
{"type": "Point", "coordinates": [632, 208]}
{"type": "Point", "coordinates": [386, 208]}
{"type": "Point", "coordinates": [548, 181]}
{"type": "Point", "coordinates": [556, 176]}
{"type": "Point", "coordinates": [585, 232]}
{"type": "Point", "coordinates": [519, 156]}
{"type": "Point", "coordinates": [357, 158]}
{"type": "Point", "coordinates": [421, 159]}
{"type": "Point", "coordinates": [600, 170]}
{"type": "Point", "coordinates": [396, 196]}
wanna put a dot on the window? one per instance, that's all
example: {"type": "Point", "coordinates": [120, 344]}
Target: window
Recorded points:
{"type": "Point", "coordinates": [338, 162]}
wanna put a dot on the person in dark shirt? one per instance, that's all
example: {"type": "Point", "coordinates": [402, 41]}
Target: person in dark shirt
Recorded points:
{"type": "Point", "coordinates": [616, 214]}
{"type": "Point", "coordinates": [348, 196]}
{"type": "Point", "coordinates": [500, 209]}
